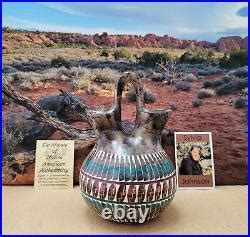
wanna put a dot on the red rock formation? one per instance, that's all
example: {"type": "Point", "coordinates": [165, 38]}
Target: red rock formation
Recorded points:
{"type": "Point", "coordinates": [244, 43]}
{"type": "Point", "coordinates": [149, 40]}
{"type": "Point", "coordinates": [225, 44]}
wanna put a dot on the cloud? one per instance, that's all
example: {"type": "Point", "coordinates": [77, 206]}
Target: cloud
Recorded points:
{"type": "Point", "coordinates": [177, 19]}
{"type": "Point", "coordinates": [234, 31]}
{"type": "Point", "coordinates": [15, 22]}
{"type": "Point", "coordinates": [243, 12]}
{"type": "Point", "coordinates": [185, 20]}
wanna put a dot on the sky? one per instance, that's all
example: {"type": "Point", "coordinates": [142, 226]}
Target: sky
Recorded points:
{"type": "Point", "coordinates": [199, 21]}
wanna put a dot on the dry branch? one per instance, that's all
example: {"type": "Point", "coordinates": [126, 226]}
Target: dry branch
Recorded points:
{"type": "Point", "coordinates": [44, 116]}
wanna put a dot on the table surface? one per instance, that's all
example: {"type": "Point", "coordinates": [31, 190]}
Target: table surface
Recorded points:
{"type": "Point", "coordinates": [27, 210]}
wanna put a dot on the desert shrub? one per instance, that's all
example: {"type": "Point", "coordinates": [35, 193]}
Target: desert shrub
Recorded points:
{"type": "Point", "coordinates": [201, 72]}
{"type": "Point", "coordinates": [59, 62]}
{"type": "Point", "coordinates": [84, 80]}
{"type": "Point", "coordinates": [122, 53]}
{"type": "Point", "coordinates": [26, 85]}
{"type": "Point", "coordinates": [205, 93]}
{"type": "Point", "coordinates": [9, 77]}
{"type": "Point", "coordinates": [240, 102]}
{"type": "Point", "coordinates": [61, 73]}
{"type": "Point", "coordinates": [209, 71]}
{"type": "Point", "coordinates": [80, 83]}
{"type": "Point", "coordinates": [157, 77]}
{"type": "Point", "coordinates": [190, 77]}
{"type": "Point", "coordinates": [200, 77]}
{"type": "Point", "coordinates": [9, 69]}
{"type": "Point", "coordinates": [149, 96]}
{"type": "Point", "coordinates": [216, 83]}
{"type": "Point", "coordinates": [183, 86]}
{"type": "Point", "coordinates": [32, 83]}
{"type": "Point", "coordinates": [239, 84]}
{"type": "Point", "coordinates": [30, 65]}
{"type": "Point", "coordinates": [107, 86]}
{"type": "Point", "coordinates": [20, 76]}
{"type": "Point", "coordinates": [150, 59]}
{"type": "Point", "coordinates": [198, 56]}
{"type": "Point", "coordinates": [232, 86]}
{"type": "Point", "coordinates": [55, 74]}
{"type": "Point", "coordinates": [210, 84]}
{"type": "Point", "coordinates": [72, 72]}
{"type": "Point", "coordinates": [173, 107]}
{"type": "Point", "coordinates": [104, 53]}
{"type": "Point", "coordinates": [13, 134]}
{"type": "Point", "coordinates": [141, 73]}
{"type": "Point", "coordinates": [93, 90]}
{"type": "Point", "coordinates": [241, 72]}
{"type": "Point", "coordinates": [236, 58]}
{"type": "Point", "coordinates": [191, 58]}
{"type": "Point", "coordinates": [84, 77]}
{"type": "Point", "coordinates": [197, 103]}
{"type": "Point", "coordinates": [105, 75]}
{"type": "Point", "coordinates": [223, 89]}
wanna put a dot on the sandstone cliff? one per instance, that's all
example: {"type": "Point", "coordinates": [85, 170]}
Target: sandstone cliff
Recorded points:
{"type": "Point", "coordinates": [149, 40]}
{"type": "Point", "coordinates": [231, 42]}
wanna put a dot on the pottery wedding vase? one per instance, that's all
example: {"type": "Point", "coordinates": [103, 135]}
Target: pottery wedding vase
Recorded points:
{"type": "Point", "coordinates": [128, 172]}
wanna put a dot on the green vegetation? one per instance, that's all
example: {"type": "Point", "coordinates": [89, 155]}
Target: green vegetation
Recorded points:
{"type": "Point", "coordinates": [122, 54]}
{"type": "Point", "coordinates": [236, 58]}
{"type": "Point", "coordinates": [150, 59]}
{"type": "Point", "coordinates": [240, 102]}
{"type": "Point", "coordinates": [197, 103]}
{"type": "Point", "coordinates": [173, 107]}
{"type": "Point", "coordinates": [92, 80]}
{"type": "Point", "coordinates": [241, 72]}
{"type": "Point", "coordinates": [198, 56]}
{"type": "Point", "coordinates": [59, 62]}
{"type": "Point", "coordinates": [226, 85]}
{"type": "Point", "coordinates": [104, 53]}
{"type": "Point", "coordinates": [190, 77]}
{"type": "Point", "coordinates": [205, 93]}
{"type": "Point", "coordinates": [158, 77]}
{"type": "Point", "coordinates": [216, 83]}
{"type": "Point", "coordinates": [105, 75]}
{"type": "Point", "coordinates": [183, 86]}
{"type": "Point", "coordinates": [149, 96]}
{"type": "Point", "coordinates": [231, 87]}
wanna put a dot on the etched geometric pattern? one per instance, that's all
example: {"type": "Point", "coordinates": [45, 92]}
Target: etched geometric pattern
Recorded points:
{"type": "Point", "coordinates": [131, 193]}
{"type": "Point", "coordinates": [135, 193]}
{"type": "Point", "coordinates": [141, 193]}
{"type": "Point", "coordinates": [112, 192]}
{"type": "Point", "coordinates": [147, 180]}
{"type": "Point", "coordinates": [103, 191]}
{"type": "Point", "coordinates": [100, 164]}
{"type": "Point", "coordinates": [150, 193]}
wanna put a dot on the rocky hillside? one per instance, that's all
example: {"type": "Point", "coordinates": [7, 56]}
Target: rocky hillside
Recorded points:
{"type": "Point", "coordinates": [231, 42]}
{"type": "Point", "coordinates": [150, 40]}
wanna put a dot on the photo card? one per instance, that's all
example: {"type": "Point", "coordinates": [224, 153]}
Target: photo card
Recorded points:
{"type": "Point", "coordinates": [194, 160]}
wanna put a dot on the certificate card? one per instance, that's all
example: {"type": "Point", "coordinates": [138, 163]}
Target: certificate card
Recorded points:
{"type": "Point", "coordinates": [54, 164]}
{"type": "Point", "coordinates": [194, 160]}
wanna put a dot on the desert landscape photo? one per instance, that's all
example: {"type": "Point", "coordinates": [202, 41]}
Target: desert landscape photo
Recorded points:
{"type": "Point", "coordinates": [189, 61]}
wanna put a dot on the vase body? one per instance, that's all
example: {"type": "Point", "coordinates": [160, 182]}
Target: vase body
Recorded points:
{"type": "Point", "coordinates": [128, 174]}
